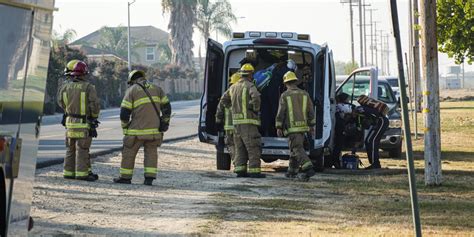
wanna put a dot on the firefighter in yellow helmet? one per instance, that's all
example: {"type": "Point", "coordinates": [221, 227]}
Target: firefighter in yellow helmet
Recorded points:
{"type": "Point", "coordinates": [244, 100]}
{"type": "Point", "coordinates": [78, 98]}
{"type": "Point", "coordinates": [145, 115]}
{"type": "Point", "coordinates": [294, 119]}
{"type": "Point", "coordinates": [224, 114]}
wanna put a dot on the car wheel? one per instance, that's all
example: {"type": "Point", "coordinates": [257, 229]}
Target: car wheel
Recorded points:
{"type": "Point", "coordinates": [395, 152]}
{"type": "Point", "coordinates": [223, 161]}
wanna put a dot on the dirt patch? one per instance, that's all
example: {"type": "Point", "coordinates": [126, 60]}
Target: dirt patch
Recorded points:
{"type": "Point", "coordinates": [191, 198]}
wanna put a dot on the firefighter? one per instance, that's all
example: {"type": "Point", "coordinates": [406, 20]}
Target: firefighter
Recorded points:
{"type": "Point", "coordinates": [143, 124]}
{"type": "Point", "coordinates": [244, 100]}
{"type": "Point", "coordinates": [224, 114]}
{"type": "Point", "coordinates": [295, 118]}
{"type": "Point", "coordinates": [377, 123]}
{"type": "Point", "coordinates": [78, 98]}
{"type": "Point", "coordinates": [68, 78]}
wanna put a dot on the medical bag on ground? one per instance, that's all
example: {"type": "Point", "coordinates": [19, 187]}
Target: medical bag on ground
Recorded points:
{"type": "Point", "coordinates": [350, 161]}
{"type": "Point", "coordinates": [373, 103]}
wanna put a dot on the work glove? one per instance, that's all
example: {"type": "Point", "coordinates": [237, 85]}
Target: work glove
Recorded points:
{"type": "Point", "coordinates": [63, 121]}
{"type": "Point", "coordinates": [92, 132]}
{"type": "Point", "coordinates": [164, 126]}
{"type": "Point", "coordinates": [280, 132]}
{"type": "Point", "coordinates": [94, 123]}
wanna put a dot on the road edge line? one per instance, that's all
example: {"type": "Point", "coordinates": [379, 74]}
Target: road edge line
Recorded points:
{"type": "Point", "coordinates": [57, 161]}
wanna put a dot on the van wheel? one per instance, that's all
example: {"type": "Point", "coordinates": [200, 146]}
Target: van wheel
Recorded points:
{"type": "Point", "coordinates": [223, 161]}
{"type": "Point", "coordinates": [395, 152]}
{"type": "Point", "coordinates": [318, 161]}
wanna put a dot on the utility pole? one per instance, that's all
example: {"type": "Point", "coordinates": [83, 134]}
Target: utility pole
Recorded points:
{"type": "Point", "coordinates": [352, 28]}
{"type": "Point", "coordinates": [361, 36]}
{"type": "Point", "coordinates": [382, 61]}
{"type": "Point", "coordinates": [365, 36]}
{"type": "Point", "coordinates": [376, 46]}
{"type": "Point", "coordinates": [372, 36]}
{"type": "Point", "coordinates": [388, 54]}
{"type": "Point", "coordinates": [416, 55]}
{"type": "Point", "coordinates": [414, 83]}
{"type": "Point", "coordinates": [430, 93]}
{"type": "Point", "coordinates": [128, 43]}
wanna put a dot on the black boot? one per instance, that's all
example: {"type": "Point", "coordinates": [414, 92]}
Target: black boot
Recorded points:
{"type": "Point", "coordinates": [257, 175]}
{"type": "Point", "coordinates": [148, 181]}
{"type": "Point", "coordinates": [96, 176]}
{"type": "Point", "coordinates": [304, 177]}
{"type": "Point", "coordinates": [242, 174]}
{"type": "Point", "coordinates": [122, 181]}
{"type": "Point", "coordinates": [290, 175]}
{"type": "Point", "coordinates": [88, 178]}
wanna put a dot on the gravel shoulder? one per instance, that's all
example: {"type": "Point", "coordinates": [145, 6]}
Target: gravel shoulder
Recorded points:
{"type": "Point", "coordinates": [191, 198]}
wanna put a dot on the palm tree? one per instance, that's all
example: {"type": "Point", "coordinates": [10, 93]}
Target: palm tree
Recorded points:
{"type": "Point", "coordinates": [114, 39]}
{"type": "Point", "coordinates": [214, 16]}
{"type": "Point", "coordinates": [182, 19]}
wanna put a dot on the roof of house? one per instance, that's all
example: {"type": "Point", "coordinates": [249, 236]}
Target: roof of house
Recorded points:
{"type": "Point", "coordinates": [87, 50]}
{"type": "Point", "coordinates": [141, 34]}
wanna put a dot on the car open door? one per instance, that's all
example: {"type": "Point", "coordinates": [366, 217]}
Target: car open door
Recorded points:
{"type": "Point", "coordinates": [362, 81]}
{"type": "Point", "coordinates": [213, 82]}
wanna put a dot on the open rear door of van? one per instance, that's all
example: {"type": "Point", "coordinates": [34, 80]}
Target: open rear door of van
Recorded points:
{"type": "Point", "coordinates": [213, 90]}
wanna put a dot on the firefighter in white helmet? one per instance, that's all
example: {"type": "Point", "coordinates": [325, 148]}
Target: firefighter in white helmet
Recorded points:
{"type": "Point", "coordinates": [145, 115]}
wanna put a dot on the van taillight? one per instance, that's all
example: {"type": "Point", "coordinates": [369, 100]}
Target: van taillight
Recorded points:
{"type": "Point", "coordinates": [270, 41]}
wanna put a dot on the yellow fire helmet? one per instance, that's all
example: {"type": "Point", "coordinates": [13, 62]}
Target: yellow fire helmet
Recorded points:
{"type": "Point", "coordinates": [70, 66]}
{"type": "Point", "coordinates": [134, 75]}
{"type": "Point", "coordinates": [234, 78]}
{"type": "Point", "coordinates": [289, 76]}
{"type": "Point", "coordinates": [246, 69]}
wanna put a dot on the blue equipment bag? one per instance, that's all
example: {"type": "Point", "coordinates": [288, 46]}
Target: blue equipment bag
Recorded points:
{"type": "Point", "coordinates": [263, 77]}
{"type": "Point", "coordinates": [350, 161]}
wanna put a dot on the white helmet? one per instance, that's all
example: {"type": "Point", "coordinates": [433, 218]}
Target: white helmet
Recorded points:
{"type": "Point", "coordinates": [290, 64]}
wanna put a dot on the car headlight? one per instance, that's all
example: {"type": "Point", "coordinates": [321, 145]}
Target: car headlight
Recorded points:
{"type": "Point", "coordinates": [395, 123]}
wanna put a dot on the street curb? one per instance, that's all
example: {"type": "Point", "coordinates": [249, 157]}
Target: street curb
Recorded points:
{"type": "Point", "coordinates": [58, 161]}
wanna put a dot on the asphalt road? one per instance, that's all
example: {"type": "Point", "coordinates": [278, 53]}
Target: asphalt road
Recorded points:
{"type": "Point", "coordinates": [184, 123]}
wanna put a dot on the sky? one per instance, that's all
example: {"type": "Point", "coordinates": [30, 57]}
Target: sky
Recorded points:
{"type": "Point", "coordinates": [327, 21]}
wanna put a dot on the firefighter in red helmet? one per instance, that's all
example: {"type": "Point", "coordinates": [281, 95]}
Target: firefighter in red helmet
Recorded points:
{"type": "Point", "coordinates": [78, 98]}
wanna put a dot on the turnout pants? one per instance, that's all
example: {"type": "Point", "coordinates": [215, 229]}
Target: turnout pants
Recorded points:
{"type": "Point", "coordinates": [298, 157]}
{"type": "Point", "coordinates": [131, 145]}
{"type": "Point", "coordinates": [77, 161]}
{"type": "Point", "coordinates": [372, 141]}
{"type": "Point", "coordinates": [229, 142]}
{"type": "Point", "coordinates": [248, 148]}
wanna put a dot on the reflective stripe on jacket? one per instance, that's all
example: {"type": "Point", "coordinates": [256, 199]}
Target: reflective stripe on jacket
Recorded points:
{"type": "Point", "coordinates": [295, 111]}
{"type": "Point", "coordinates": [244, 100]}
{"type": "Point", "coordinates": [137, 114]}
{"type": "Point", "coordinates": [78, 99]}
{"type": "Point", "coordinates": [224, 114]}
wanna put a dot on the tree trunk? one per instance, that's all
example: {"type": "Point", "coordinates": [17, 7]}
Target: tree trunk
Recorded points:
{"type": "Point", "coordinates": [431, 93]}
{"type": "Point", "coordinates": [181, 36]}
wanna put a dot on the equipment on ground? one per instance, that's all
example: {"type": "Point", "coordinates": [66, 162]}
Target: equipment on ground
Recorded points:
{"type": "Point", "coordinates": [350, 161]}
